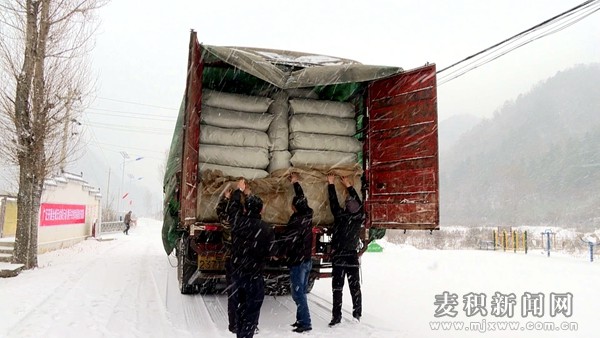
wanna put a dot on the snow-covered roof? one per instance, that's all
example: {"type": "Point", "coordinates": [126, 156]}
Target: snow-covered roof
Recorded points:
{"type": "Point", "coordinates": [60, 179]}
{"type": "Point", "coordinates": [9, 197]}
{"type": "Point", "coordinates": [73, 177]}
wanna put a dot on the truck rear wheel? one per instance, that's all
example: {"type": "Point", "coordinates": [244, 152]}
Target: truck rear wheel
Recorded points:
{"type": "Point", "coordinates": [185, 267]}
{"type": "Point", "coordinates": [311, 283]}
{"type": "Point", "coordinates": [277, 286]}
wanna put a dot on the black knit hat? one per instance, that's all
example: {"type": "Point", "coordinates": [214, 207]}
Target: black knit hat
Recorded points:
{"type": "Point", "coordinates": [254, 205]}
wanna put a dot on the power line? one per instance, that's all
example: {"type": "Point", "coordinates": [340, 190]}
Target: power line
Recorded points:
{"type": "Point", "coordinates": [136, 103]}
{"type": "Point", "coordinates": [133, 148]}
{"type": "Point", "coordinates": [133, 115]}
{"type": "Point", "coordinates": [145, 130]}
{"type": "Point", "coordinates": [93, 134]}
{"type": "Point", "coordinates": [583, 6]}
{"type": "Point", "coordinates": [484, 59]}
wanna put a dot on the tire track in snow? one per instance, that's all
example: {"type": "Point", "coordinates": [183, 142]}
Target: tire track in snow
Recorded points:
{"type": "Point", "coordinates": [323, 303]}
{"type": "Point", "coordinates": [216, 310]}
{"type": "Point", "coordinates": [189, 313]}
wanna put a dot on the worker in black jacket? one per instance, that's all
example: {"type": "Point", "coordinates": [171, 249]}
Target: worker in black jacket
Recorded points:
{"type": "Point", "coordinates": [298, 240]}
{"type": "Point", "coordinates": [252, 245]}
{"type": "Point", "coordinates": [222, 208]}
{"type": "Point", "coordinates": [345, 244]}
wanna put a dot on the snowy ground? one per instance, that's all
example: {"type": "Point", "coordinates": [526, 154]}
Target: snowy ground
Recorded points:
{"type": "Point", "coordinates": [127, 287]}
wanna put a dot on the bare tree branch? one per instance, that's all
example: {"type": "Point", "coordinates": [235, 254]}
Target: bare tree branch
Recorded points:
{"type": "Point", "coordinates": [44, 66]}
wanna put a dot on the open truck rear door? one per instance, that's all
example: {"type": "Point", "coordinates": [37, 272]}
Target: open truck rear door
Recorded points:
{"type": "Point", "coordinates": [402, 151]}
{"type": "Point", "coordinates": [191, 134]}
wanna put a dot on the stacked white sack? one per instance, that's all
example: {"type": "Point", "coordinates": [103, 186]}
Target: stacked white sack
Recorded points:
{"type": "Point", "coordinates": [278, 132]}
{"type": "Point", "coordinates": [321, 133]}
{"type": "Point", "coordinates": [233, 134]}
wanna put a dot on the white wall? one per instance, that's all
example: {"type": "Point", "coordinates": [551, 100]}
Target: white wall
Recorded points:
{"type": "Point", "coordinates": [68, 189]}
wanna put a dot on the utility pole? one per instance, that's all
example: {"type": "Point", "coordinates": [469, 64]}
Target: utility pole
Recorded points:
{"type": "Point", "coordinates": [107, 189]}
{"type": "Point", "coordinates": [126, 159]}
{"type": "Point", "coordinates": [71, 96]}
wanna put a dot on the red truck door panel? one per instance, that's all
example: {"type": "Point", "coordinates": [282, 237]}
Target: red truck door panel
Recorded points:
{"type": "Point", "coordinates": [191, 134]}
{"type": "Point", "coordinates": [402, 151]}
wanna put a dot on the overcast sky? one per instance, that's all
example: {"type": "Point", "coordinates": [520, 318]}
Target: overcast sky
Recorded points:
{"type": "Point", "coordinates": [141, 53]}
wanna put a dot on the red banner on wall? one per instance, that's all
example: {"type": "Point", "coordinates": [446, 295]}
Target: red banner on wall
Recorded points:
{"type": "Point", "coordinates": [60, 214]}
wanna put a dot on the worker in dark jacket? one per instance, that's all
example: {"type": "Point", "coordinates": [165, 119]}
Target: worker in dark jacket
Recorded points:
{"type": "Point", "coordinates": [222, 208]}
{"type": "Point", "coordinates": [345, 244]}
{"type": "Point", "coordinates": [298, 239]}
{"type": "Point", "coordinates": [252, 245]}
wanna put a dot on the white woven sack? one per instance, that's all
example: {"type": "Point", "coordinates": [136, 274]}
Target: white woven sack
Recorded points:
{"type": "Point", "coordinates": [244, 157]}
{"type": "Point", "coordinates": [239, 102]}
{"type": "Point", "coordinates": [303, 93]}
{"type": "Point", "coordinates": [278, 130]}
{"type": "Point", "coordinates": [279, 160]}
{"type": "Point", "coordinates": [312, 141]}
{"type": "Point", "coordinates": [232, 119]}
{"type": "Point", "coordinates": [247, 173]}
{"type": "Point", "coordinates": [312, 158]}
{"type": "Point", "coordinates": [328, 108]}
{"type": "Point", "coordinates": [233, 137]}
{"type": "Point", "coordinates": [312, 123]}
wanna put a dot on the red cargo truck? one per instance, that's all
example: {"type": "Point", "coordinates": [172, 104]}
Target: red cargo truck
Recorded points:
{"type": "Point", "coordinates": [396, 123]}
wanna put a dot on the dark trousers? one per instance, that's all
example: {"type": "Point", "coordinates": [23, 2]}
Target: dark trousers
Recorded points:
{"type": "Point", "coordinates": [248, 294]}
{"type": "Point", "coordinates": [231, 305]}
{"type": "Point", "coordinates": [299, 278]}
{"type": "Point", "coordinates": [346, 265]}
{"type": "Point", "coordinates": [126, 231]}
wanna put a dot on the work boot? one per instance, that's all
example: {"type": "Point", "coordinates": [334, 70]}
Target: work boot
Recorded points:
{"type": "Point", "coordinates": [335, 321]}
{"type": "Point", "coordinates": [295, 324]}
{"type": "Point", "coordinates": [301, 329]}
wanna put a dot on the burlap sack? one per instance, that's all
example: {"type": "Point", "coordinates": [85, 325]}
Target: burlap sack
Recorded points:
{"type": "Point", "coordinates": [312, 141]}
{"type": "Point", "coordinates": [312, 123]}
{"type": "Point", "coordinates": [238, 102]}
{"type": "Point", "coordinates": [277, 192]}
{"type": "Point", "coordinates": [322, 107]}
{"type": "Point", "coordinates": [233, 137]}
{"type": "Point", "coordinates": [232, 119]}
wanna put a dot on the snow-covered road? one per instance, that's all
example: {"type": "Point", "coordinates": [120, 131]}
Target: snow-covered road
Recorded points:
{"type": "Point", "coordinates": [127, 287]}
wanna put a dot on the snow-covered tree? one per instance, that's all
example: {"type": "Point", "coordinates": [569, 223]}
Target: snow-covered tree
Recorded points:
{"type": "Point", "coordinates": [46, 80]}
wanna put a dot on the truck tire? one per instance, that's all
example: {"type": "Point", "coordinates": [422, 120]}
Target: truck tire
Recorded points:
{"type": "Point", "coordinates": [311, 283]}
{"type": "Point", "coordinates": [278, 286]}
{"type": "Point", "coordinates": [208, 286]}
{"type": "Point", "coordinates": [185, 267]}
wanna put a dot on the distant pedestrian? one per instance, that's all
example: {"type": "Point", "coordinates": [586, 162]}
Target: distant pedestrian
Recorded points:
{"type": "Point", "coordinates": [345, 243]}
{"type": "Point", "coordinates": [252, 245]}
{"type": "Point", "coordinates": [127, 222]}
{"type": "Point", "coordinates": [298, 240]}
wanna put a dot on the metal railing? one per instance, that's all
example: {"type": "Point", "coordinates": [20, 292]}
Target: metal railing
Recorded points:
{"type": "Point", "coordinates": [112, 227]}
